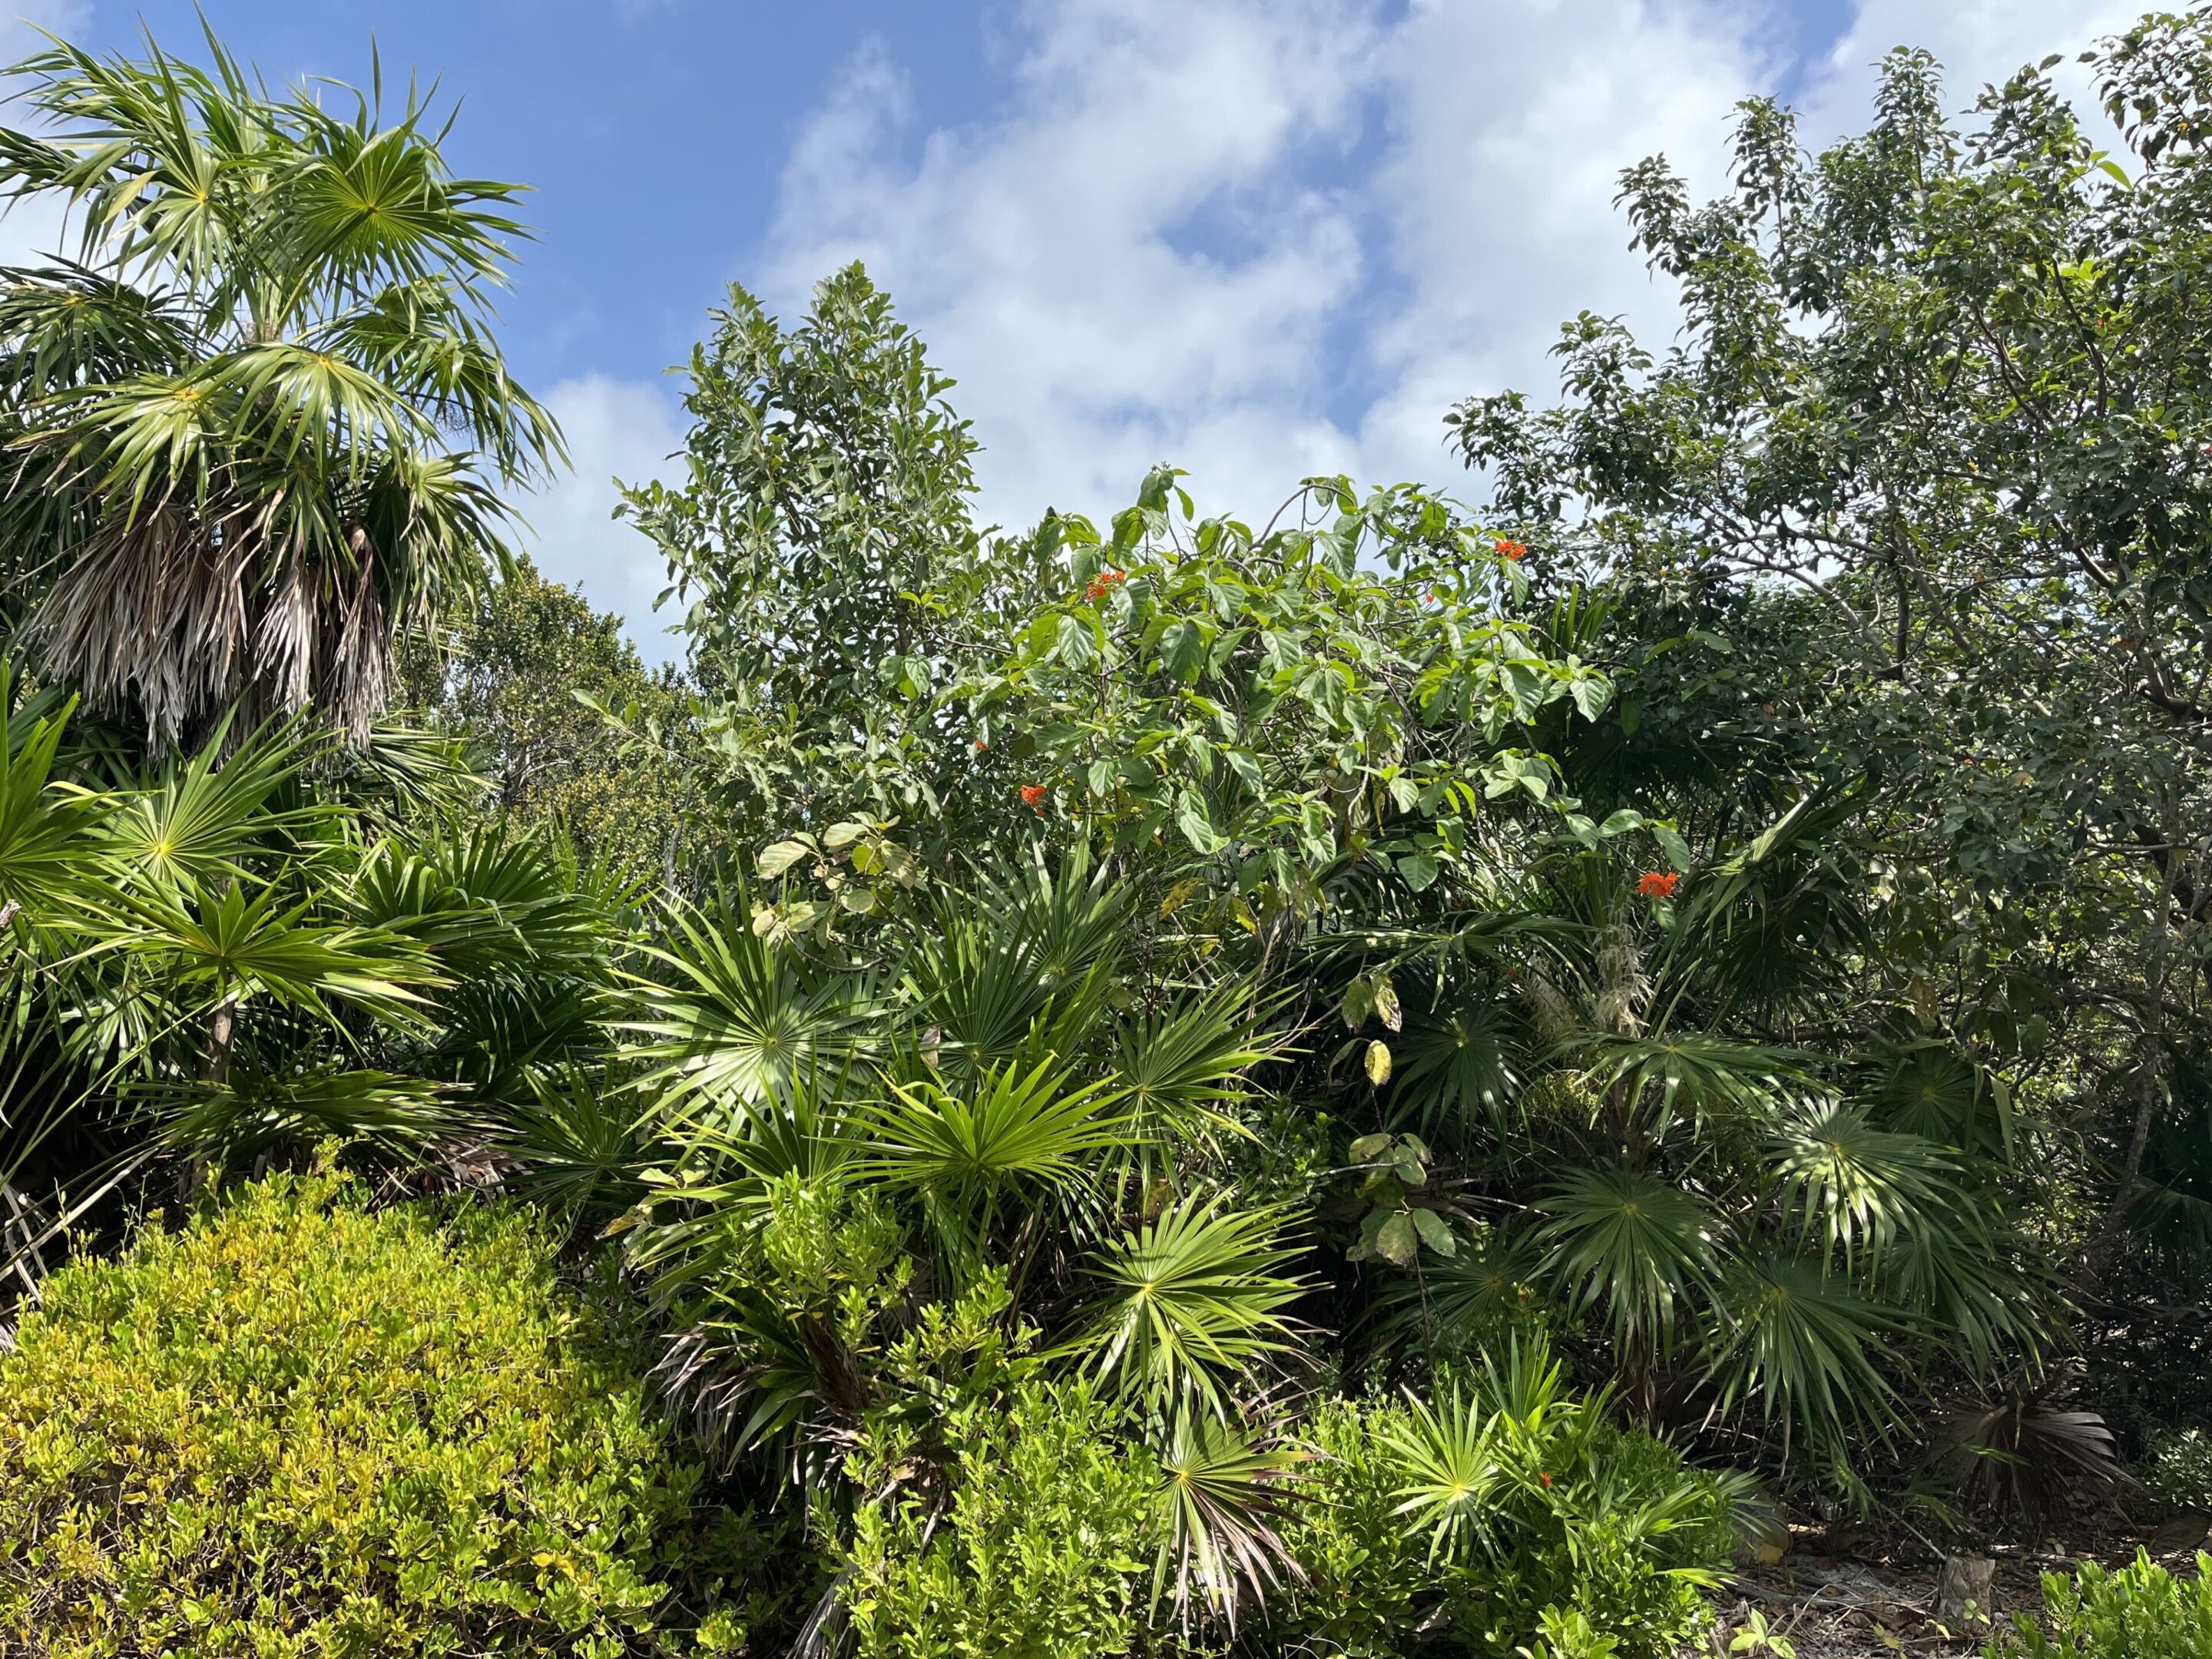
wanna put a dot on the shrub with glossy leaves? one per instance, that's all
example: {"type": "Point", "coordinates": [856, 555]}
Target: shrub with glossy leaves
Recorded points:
{"type": "Point", "coordinates": [2140, 1612]}
{"type": "Point", "coordinates": [2179, 1469]}
{"type": "Point", "coordinates": [297, 1427]}
{"type": "Point", "coordinates": [1038, 1543]}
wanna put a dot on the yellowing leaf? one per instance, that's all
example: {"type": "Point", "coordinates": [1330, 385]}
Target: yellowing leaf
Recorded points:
{"type": "Point", "coordinates": [1378, 1063]}
{"type": "Point", "coordinates": [1385, 1003]}
{"type": "Point", "coordinates": [780, 857]}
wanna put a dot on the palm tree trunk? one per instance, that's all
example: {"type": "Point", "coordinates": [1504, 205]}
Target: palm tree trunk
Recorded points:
{"type": "Point", "coordinates": [215, 1060]}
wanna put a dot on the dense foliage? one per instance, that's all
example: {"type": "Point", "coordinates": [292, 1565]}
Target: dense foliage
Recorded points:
{"type": "Point", "coordinates": [297, 1428]}
{"type": "Point", "coordinates": [2141, 1609]}
{"type": "Point", "coordinates": [1364, 1077]}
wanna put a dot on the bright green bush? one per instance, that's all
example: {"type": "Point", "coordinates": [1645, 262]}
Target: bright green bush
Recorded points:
{"type": "Point", "coordinates": [2140, 1612]}
{"type": "Point", "coordinates": [298, 1428]}
{"type": "Point", "coordinates": [1362, 1568]}
{"type": "Point", "coordinates": [1511, 1515]}
{"type": "Point", "coordinates": [1042, 1551]}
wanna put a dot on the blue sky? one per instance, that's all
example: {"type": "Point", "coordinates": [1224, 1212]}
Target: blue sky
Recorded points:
{"type": "Point", "coordinates": [1256, 237]}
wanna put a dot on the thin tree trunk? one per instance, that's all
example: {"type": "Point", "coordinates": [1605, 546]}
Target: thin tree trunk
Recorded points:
{"type": "Point", "coordinates": [214, 1062]}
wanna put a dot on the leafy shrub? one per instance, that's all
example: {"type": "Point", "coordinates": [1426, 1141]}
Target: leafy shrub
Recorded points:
{"type": "Point", "coordinates": [1361, 1568]}
{"type": "Point", "coordinates": [1512, 1514]}
{"type": "Point", "coordinates": [300, 1428]}
{"type": "Point", "coordinates": [2140, 1612]}
{"type": "Point", "coordinates": [1041, 1549]}
{"type": "Point", "coordinates": [2179, 1469]}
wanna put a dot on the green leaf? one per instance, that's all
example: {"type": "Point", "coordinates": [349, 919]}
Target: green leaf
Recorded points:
{"type": "Point", "coordinates": [1434, 1233]}
{"type": "Point", "coordinates": [1359, 1002]}
{"type": "Point", "coordinates": [1197, 829]}
{"type": "Point", "coordinates": [780, 856]}
{"type": "Point", "coordinates": [1398, 1242]}
{"type": "Point", "coordinates": [1182, 649]}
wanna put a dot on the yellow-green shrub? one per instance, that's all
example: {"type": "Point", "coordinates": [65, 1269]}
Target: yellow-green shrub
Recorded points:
{"type": "Point", "coordinates": [301, 1428]}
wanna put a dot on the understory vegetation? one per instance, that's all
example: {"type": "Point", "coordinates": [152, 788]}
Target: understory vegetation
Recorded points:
{"type": "Point", "coordinates": [1357, 1075]}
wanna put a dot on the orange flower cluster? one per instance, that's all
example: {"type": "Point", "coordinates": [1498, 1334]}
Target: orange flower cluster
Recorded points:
{"type": "Point", "coordinates": [1032, 794]}
{"type": "Point", "coordinates": [981, 745]}
{"type": "Point", "coordinates": [1511, 550]}
{"type": "Point", "coordinates": [1104, 583]}
{"type": "Point", "coordinates": [1652, 884]}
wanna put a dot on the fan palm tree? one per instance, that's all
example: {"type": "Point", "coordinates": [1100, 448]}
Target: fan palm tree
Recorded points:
{"type": "Point", "coordinates": [254, 427]}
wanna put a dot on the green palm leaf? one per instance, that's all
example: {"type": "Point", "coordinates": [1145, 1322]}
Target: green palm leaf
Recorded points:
{"type": "Point", "coordinates": [734, 1023]}
{"type": "Point", "coordinates": [1695, 1073]}
{"type": "Point", "coordinates": [1803, 1344]}
{"type": "Point", "coordinates": [1456, 1064]}
{"type": "Point", "coordinates": [1036, 1127]}
{"type": "Point", "coordinates": [1449, 1467]}
{"type": "Point", "coordinates": [1219, 1494]}
{"type": "Point", "coordinates": [206, 818]}
{"type": "Point", "coordinates": [50, 838]}
{"type": "Point", "coordinates": [1855, 1187]}
{"type": "Point", "coordinates": [1633, 1241]}
{"type": "Point", "coordinates": [1193, 1299]}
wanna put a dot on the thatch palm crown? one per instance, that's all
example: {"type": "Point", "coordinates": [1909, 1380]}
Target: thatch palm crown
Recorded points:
{"type": "Point", "coordinates": [254, 427]}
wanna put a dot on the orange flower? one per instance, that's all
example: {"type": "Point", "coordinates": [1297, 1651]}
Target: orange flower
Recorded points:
{"type": "Point", "coordinates": [1652, 884]}
{"type": "Point", "coordinates": [1032, 794]}
{"type": "Point", "coordinates": [981, 745]}
{"type": "Point", "coordinates": [1511, 550]}
{"type": "Point", "coordinates": [1103, 583]}
{"type": "Point", "coordinates": [1544, 1475]}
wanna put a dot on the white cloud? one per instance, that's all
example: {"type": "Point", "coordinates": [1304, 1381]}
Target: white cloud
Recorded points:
{"type": "Point", "coordinates": [615, 429]}
{"type": "Point", "coordinates": [1510, 125]}
{"type": "Point", "coordinates": [1978, 42]}
{"type": "Point", "coordinates": [1170, 247]}
{"type": "Point", "coordinates": [1131, 264]}
{"type": "Point", "coordinates": [1263, 240]}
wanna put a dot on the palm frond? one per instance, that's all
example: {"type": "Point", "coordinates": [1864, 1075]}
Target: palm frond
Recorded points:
{"type": "Point", "coordinates": [1633, 1241]}
{"type": "Point", "coordinates": [1803, 1344]}
{"type": "Point", "coordinates": [1458, 1064]}
{"type": "Point", "coordinates": [967, 1154]}
{"type": "Point", "coordinates": [1179, 1066]}
{"type": "Point", "coordinates": [1192, 1300]}
{"type": "Point", "coordinates": [1855, 1187]}
{"type": "Point", "coordinates": [581, 1144]}
{"type": "Point", "coordinates": [735, 1022]}
{"type": "Point", "coordinates": [1220, 1493]}
{"type": "Point", "coordinates": [1669, 1074]}
{"type": "Point", "coordinates": [1021, 965]}
{"type": "Point", "coordinates": [252, 1112]}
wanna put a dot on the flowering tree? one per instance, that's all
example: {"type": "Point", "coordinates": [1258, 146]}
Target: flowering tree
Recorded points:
{"type": "Point", "coordinates": [1262, 720]}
